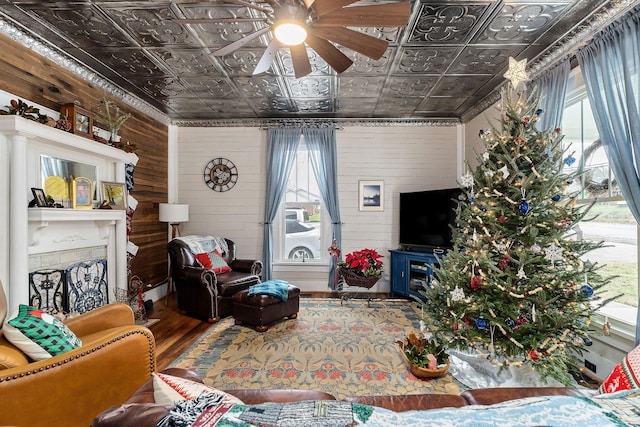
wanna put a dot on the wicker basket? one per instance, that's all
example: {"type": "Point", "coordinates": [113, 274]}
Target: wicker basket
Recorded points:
{"type": "Point", "coordinates": [353, 279]}
{"type": "Point", "coordinates": [422, 372]}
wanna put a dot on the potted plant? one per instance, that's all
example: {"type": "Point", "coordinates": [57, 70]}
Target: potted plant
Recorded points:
{"type": "Point", "coordinates": [425, 357]}
{"type": "Point", "coordinates": [113, 118]}
{"type": "Point", "coordinates": [361, 268]}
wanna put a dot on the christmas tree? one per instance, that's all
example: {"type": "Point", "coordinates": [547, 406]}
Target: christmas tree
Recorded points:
{"type": "Point", "coordinates": [515, 288]}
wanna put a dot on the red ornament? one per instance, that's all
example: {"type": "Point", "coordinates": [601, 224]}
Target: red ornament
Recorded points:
{"type": "Point", "coordinates": [526, 120]}
{"type": "Point", "coordinates": [476, 281]}
{"type": "Point", "coordinates": [504, 263]}
{"type": "Point", "coordinates": [533, 355]}
{"type": "Point", "coordinates": [502, 219]}
{"type": "Point", "coordinates": [456, 326]}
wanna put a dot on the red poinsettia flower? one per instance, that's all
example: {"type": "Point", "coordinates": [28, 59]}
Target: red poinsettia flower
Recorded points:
{"type": "Point", "coordinates": [366, 262]}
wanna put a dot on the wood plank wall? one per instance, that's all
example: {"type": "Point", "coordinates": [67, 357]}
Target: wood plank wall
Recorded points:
{"type": "Point", "coordinates": [33, 78]}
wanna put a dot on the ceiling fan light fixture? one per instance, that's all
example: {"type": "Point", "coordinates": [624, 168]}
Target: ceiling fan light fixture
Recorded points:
{"type": "Point", "coordinates": [290, 33]}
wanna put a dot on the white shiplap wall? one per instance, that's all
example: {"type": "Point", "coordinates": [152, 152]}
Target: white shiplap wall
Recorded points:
{"type": "Point", "coordinates": [406, 158]}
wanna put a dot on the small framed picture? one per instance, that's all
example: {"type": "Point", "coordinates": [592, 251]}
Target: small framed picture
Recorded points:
{"type": "Point", "coordinates": [82, 193]}
{"type": "Point", "coordinates": [114, 194]}
{"type": "Point", "coordinates": [39, 197]}
{"type": "Point", "coordinates": [371, 195]}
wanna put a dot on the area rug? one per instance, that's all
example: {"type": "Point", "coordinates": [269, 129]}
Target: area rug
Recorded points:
{"type": "Point", "coordinates": [345, 348]}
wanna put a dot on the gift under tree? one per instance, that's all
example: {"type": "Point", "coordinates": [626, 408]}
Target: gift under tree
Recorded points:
{"type": "Point", "coordinates": [515, 289]}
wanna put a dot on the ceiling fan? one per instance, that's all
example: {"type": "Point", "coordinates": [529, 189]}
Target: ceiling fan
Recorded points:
{"type": "Point", "coordinates": [319, 24]}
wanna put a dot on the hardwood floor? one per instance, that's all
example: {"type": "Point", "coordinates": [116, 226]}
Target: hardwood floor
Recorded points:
{"type": "Point", "coordinates": [175, 332]}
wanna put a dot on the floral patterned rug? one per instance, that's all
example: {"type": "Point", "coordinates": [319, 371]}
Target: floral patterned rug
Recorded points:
{"type": "Point", "coordinates": [345, 349]}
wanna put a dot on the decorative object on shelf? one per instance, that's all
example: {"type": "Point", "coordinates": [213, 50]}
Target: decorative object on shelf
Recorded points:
{"type": "Point", "coordinates": [220, 174]}
{"type": "Point", "coordinates": [174, 214]}
{"type": "Point", "coordinates": [111, 116]}
{"type": "Point", "coordinates": [39, 198]}
{"type": "Point", "coordinates": [114, 195]}
{"type": "Point", "coordinates": [81, 119]}
{"type": "Point", "coordinates": [20, 108]}
{"type": "Point", "coordinates": [361, 268]}
{"type": "Point", "coordinates": [371, 195]}
{"type": "Point", "coordinates": [82, 193]}
{"type": "Point", "coordinates": [424, 356]}
{"type": "Point", "coordinates": [87, 285]}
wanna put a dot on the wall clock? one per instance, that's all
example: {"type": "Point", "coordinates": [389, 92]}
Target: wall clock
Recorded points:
{"type": "Point", "coordinates": [220, 174]}
{"type": "Point", "coordinates": [81, 120]}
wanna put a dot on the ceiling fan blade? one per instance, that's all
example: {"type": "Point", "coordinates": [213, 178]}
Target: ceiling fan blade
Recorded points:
{"type": "Point", "coordinates": [331, 54]}
{"type": "Point", "coordinates": [362, 43]}
{"type": "Point", "coordinates": [308, 3]}
{"type": "Point", "coordinates": [267, 57]}
{"type": "Point", "coordinates": [322, 7]}
{"type": "Point", "coordinates": [380, 15]}
{"type": "Point", "coordinates": [239, 43]}
{"type": "Point", "coordinates": [218, 20]}
{"type": "Point", "coordinates": [300, 59]}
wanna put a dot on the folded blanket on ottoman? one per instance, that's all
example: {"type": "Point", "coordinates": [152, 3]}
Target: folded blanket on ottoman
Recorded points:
{"type": "Point", "coordinates": [274, 288]}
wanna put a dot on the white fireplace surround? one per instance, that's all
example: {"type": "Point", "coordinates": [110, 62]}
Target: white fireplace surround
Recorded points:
{"type": "Point", "coordinates": [27, 231]}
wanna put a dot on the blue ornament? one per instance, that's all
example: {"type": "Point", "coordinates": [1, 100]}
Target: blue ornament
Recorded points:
{"type": "Point", "coordinates": [481, 323]}
{"type": "Point", "coordinates": [587, 342]}
{"type": "Point", "coordinates": [523, 206]}
{"type": "Point", "coordinates": [510, 323]}
{"type": "Point", "coordinates": [586, 290]}
{"type": "Point", "coordinates": [556, 198]}
{"type": "Point", "coordinates": [538, 111]}
{"type": "Point", "coordinates": [569, 160]}
{"type": "Point", "coordinates": [472, 196]}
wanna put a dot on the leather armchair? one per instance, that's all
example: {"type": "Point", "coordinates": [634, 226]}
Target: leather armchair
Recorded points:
{"type": "Point", "coordinates": [116, 357]}
{"type": "Point", "coordinates": [206, 294]}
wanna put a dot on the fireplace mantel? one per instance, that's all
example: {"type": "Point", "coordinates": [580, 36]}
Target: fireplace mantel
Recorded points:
{"type": "Point", "coordinates": [31, 231]}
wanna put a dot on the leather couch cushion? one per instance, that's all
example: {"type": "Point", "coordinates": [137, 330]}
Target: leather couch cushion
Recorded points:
{"type": "Point", "coordinates": [10, 355]}
{"type": "Point", "coordinates": [233, 282]}
{"type": "Point", "coordinates": [411, 402]}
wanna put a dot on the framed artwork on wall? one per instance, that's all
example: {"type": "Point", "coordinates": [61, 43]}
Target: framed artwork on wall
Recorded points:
{"type": "Point", "coordinates": [82, 193]}
{"type": "Point", "coordinates": [114, 194]}
{"type": "Point", "coordinates": [371, 195]}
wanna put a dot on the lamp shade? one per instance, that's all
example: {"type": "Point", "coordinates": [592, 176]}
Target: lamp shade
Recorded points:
{"type": "Point", "coordinates": [174, 213]}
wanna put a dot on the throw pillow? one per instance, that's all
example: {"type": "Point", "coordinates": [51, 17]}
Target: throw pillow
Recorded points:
{"type": "Point", "coordinates": [625, 376]}
{"type": "Point", "coordinates": [38, 334]}
{"type": "Point", "coordinates": [169, 390]}
{"type": "Point", "coordinates": [213, 261]}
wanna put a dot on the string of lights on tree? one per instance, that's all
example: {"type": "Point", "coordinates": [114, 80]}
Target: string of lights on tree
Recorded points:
{"type": "Point", "coordinates": [516, 288]}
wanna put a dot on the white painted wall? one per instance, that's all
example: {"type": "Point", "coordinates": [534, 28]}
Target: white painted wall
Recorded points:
{"type": "Point", "coordinates": [406, 158]}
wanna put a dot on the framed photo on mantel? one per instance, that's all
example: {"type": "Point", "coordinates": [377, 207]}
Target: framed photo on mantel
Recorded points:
{"type": "Point", "coordinates": [82, 193]}
{"type": "Point", "coordinates": [114, 194]}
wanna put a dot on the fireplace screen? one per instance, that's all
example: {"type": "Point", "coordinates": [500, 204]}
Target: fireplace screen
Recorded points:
{"type": "Point", "coordinates": [47, 291]}
{"type": "Point", "coordinates": [87, 285]}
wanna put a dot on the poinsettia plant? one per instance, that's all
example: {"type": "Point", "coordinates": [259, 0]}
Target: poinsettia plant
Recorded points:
{"type": "Point", "coordinates": [365, 263]}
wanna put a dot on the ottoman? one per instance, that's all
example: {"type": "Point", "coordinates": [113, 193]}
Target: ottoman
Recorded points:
{"type": "Point", "coordinates": [260, 311]}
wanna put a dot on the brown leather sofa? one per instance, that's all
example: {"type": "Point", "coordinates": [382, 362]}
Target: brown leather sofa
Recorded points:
{"type": "Point", "coordinates": [206, 294]}
{"type": "Point", "coordinates": [115, 359]}
{"type": "Point", "coordinates": [140, 410]}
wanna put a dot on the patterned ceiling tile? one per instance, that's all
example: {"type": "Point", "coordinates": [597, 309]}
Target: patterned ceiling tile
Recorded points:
{"type": "Point", "coordinates": [151, 27]}
{"type": "Point", "coordinates": [218, 108]}
{"type": "Point", "coordinates": [266, 107]}
{"type": "Point", "coordinates": [129, 62]}
{"type": "Point", "coordinates": [424, 60]}
{"type": "Point", "coordinates": [214, 87]}
{"type": "Point", "coordinates": [314, 106]}
{"type": "Point", "coordinates": [360, 87]}
{"type": "Point", "coordinates": [390, 35]}
{"type": "Point", "coordinates": [318, 65]}
{"type": "Point", "coordinates": [447, 23]}
{"type": "Point", "coordinates": [241, 62]}
{"type": "Point", "coordinates": [399, 107]}
{"type": "Point", "coordinates": [521, 23]}
{"type": "Point", "coordinates": [310, 87]}
{"type": "Point", "coordinates": [260, 86]}
{"type": "Point", "coordinates": [82, 24]}
{"type": "Point", "coordinates": [160, 88]}
{"type": "Point", "coordinates": [440, 103]}
{"type": "Point", "coordinates": [365, 65]}
{"type": "Point", "coordinates": [186, 62]}
{"type": "Point", "coordinates": [356, 107]}
{"type": "Point", "coordinates": [483, 60]}
{"type": "Point", "coordinates": [409, 86]}
{"type": "Point", "coordinates": [468, 85]}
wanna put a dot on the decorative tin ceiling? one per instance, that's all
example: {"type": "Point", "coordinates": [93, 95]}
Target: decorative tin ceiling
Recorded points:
{"type": "Point", "coordinates": [445, 64]}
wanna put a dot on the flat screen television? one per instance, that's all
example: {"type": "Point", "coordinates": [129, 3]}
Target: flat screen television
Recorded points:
{"type": "Point", "coordinates": [425, 219]}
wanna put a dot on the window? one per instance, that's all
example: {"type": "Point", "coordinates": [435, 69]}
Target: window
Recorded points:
{"type": "Point", "coordinates": [301, 227]}
{"type": "Point", "coordinates": [614, 224]}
